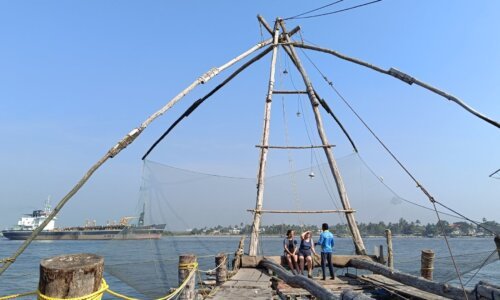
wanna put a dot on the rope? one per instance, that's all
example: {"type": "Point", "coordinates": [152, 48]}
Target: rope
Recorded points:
{"type": "Point", "coordinates": [8, 259]}
{"type": "Point", "coordinates": [214, 269]}
{"type": "Point", "coordinates": [449, 249]}
{"type": "Point", "coordinates": [18, 295]}
{"type": "Point", "coordinates": [481, 266]}
{"type": "Point", "coordinates": [97, 295]}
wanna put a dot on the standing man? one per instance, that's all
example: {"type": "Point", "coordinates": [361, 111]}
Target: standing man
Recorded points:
{"type": "Point", "coordinates": [326, 242]}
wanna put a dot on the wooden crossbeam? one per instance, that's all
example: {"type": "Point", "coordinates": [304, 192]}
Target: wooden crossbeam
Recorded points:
{"type": "Point", "coordinates": [275, 211]}
{"type": "Point", "coordinates": [293, 147]}
{"type": "Point", "coordinates": [289, 92]}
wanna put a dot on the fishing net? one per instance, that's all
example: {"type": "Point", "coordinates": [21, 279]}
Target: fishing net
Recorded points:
{"type": "Point", "coordinates": [210, 212]}
{"type": "Point", "coordinates": [469, 265]}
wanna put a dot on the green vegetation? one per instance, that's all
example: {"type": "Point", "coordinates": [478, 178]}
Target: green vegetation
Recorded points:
{"type": "Point", "coordinates": [402, 227]}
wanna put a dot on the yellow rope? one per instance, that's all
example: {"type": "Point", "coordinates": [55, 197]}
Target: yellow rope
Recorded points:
{"type": "Point", "coordinates": [97, 295]}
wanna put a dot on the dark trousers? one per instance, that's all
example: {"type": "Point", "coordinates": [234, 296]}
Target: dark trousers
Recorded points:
{"type": "Point", "coordinates": [326, 257]}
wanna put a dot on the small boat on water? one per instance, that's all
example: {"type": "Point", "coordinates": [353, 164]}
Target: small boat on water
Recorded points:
{"type": "Point", "coordinates": [121, 231]}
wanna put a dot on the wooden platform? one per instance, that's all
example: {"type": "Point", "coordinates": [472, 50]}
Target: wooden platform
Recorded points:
{"type": "Point", "coordinates": [246, 284]}
{"type": "Point", "coordinates": [336, 285]}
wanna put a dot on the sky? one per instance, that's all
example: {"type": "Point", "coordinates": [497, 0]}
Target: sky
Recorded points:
{"type": "Point", "coordinates": [76, 76]}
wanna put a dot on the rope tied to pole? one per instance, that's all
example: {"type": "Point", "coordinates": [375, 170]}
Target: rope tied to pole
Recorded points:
{"type": "Point", "coordinates": [97, 295]}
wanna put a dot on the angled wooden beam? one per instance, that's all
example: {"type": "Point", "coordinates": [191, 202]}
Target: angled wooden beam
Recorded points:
{"type": "Point", "coordinates": [123, 143]}
{"type": "Point", "coordinates": [344, 199]}
{"type": "Point", "coordinates": [403, 77]}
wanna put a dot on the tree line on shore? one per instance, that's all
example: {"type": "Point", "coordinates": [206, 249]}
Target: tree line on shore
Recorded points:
{"type": "Point", "coordinates": [402, 227]}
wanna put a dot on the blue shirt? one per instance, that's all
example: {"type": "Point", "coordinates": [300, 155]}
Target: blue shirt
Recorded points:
{"type": "Point", "coordinates": [326, 241]}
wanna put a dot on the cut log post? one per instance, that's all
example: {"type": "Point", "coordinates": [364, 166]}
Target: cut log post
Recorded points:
{"type": "Point", "coordinates": [221, 268]}
{"type": "Point", "coordinates": [187, 263]}
{"type": "Point", "coordinates": [310, 285]}
{"type": "Point", "coordinates": [441, 289]}
{"type": "Point", "coordinates": [427, 264]}
{"type": "Point", "coordinates": [390, 258]}
{"type": "Point", "coordinates": [71, 275]}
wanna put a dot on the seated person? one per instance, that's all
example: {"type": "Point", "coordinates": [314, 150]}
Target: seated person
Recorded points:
{"type": "Point", "coordinates": [290, 250]}
{"type": "Point", "coordinates": [305, 253]}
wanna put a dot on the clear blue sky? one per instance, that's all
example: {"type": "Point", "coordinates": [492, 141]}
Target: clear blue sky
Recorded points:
{"type": "Point", "coordinates": [76, 76]}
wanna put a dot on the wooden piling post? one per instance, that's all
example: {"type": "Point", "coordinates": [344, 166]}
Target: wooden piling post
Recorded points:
{"type": "Point", "coordinates": [221, 271]}
{"type": "Point", "coordinates": [71, 275]}
{"type": "Point", "coordinates": [381, 256]}
{"type": "Point", "coordinates": [497, 242]}
{"type": "Point", "coordinates": [390, 258]}
{"type": "Point", "coordinates": [427, 264]}
{"type": "Point", "coordinates": [187, 263]}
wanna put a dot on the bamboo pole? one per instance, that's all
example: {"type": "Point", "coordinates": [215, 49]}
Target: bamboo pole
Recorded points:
{"type": "Point", "coordinates": [254, 238]}
{"type": "Point", "coordinates": [351, 221]}
{"type": "Point", "coordinates": [276, 211]}
{"type": "Point", "coordinates": [123, 143]}
{"type": "Point", "coordinates": [294, 147]}
{"type": "Point", "coordinates": [390, 256]}
{"type": "Point", "coordinates": [198, 102]}
{"type": "Point", "coordinates": [401, 76]}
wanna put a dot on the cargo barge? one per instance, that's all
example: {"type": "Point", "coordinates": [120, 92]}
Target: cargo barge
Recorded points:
{"type": "Point", "coordinates": [121, 231]}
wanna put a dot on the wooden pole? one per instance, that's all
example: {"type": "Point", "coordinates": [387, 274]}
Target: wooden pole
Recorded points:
{"type": "Point", "coordinates": [404, 77]}
{"type": "Point", "coordinates": [221, 271]}
{"type": "Point", "coordinates": [123, 143]}
{"type": "Point", "coordinates": [497, 243]}
{"type": "Point", "coordinates": [254, 238]}
{"type": "Point", "coordinates": [390, 257]}
{"type": "Point", "coordinates": [71, 276]}
{"type": "Point", "coordinates": [427, 264]}
{"type": "Point", "coordinates": [442, 289]}
{"type": "Point", "coordinates": [187, 263]}
{"type": "Point", "coordinates": [310, 285]}
{"type": "Point", "coordinates": [381, 256]}
{"type": "Point", "coordinates": [351, 221]}
{"type": "Point", "coordinates": [237, 256]}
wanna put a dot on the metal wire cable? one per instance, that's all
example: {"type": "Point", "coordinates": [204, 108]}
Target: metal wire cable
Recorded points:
{"type": "Point", "coordinates": [336, 11]}
{"type": "Point", "coordinates": [313, 10]}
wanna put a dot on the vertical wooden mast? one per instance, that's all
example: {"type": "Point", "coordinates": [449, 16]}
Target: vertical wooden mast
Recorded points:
{"type": "Point", "coordinates": [358, 241]}
{"type": "Point", "coordinates": [254, 238]}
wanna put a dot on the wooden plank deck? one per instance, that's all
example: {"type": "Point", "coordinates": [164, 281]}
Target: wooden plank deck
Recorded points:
{"type": "Point", "coordinates": [336, 285]}
{"type": "Point", "coordinates": [246, 284]}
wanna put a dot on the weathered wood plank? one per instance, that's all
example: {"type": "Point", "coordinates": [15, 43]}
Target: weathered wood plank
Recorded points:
{"type": "Point", "coordinates": [441, 289]}
{"type": "Point", "coordinates": [394, 286]}
{"type": "Point", "coordinates": [246, 284]}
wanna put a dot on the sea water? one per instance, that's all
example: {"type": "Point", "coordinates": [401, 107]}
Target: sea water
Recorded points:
{"type": "Point", "coordinates": [134, 263]}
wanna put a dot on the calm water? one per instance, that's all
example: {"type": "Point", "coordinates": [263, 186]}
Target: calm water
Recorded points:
{"type": "Point", "coordinates": [135, 270]}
